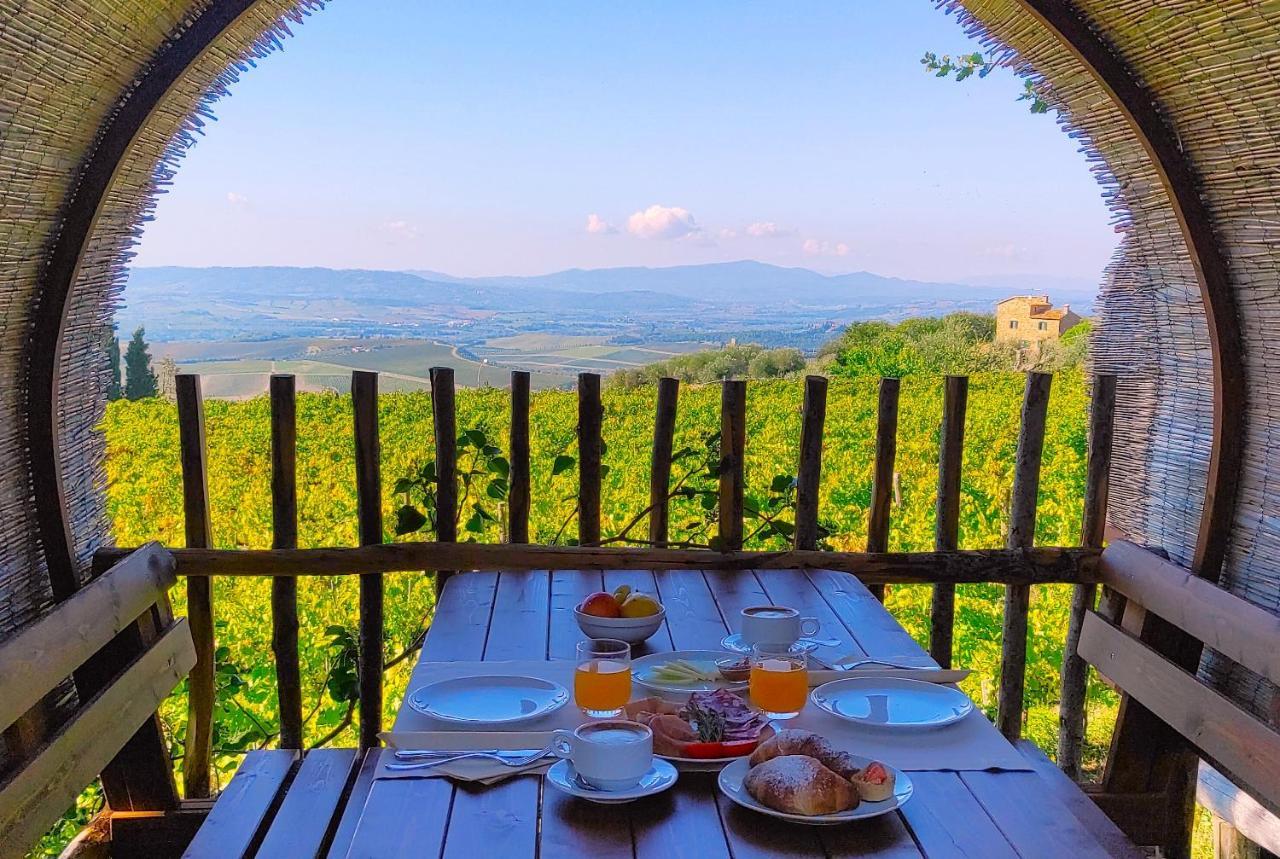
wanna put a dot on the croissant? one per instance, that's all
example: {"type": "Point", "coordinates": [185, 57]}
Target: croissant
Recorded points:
{"type": "Point", "coordinates": [792, 741]}
{"type": "Point", "coordinates": [798, 784]}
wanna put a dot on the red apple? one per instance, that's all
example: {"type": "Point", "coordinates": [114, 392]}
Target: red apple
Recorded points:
{"type": "Point", "coordinates": [601, 604]}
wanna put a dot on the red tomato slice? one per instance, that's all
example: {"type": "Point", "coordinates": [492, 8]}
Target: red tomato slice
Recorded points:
{"type": "Point", "coordinates": [732, 749]}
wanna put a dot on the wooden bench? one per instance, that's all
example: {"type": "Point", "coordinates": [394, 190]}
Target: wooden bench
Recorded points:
{"type": "Point", "coordinates": [116, 701]}
{"type": "Point", "coordinates": [1245, 750]}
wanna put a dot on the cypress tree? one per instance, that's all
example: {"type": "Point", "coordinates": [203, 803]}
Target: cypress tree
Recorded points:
{"type": "Point", "coordinates": [140, 382]}
{"type": "Point", "coordinates": [113, 357]}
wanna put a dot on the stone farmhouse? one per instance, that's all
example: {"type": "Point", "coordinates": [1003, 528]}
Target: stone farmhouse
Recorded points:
{"type": "Point", "coordinates": [1032, 319]}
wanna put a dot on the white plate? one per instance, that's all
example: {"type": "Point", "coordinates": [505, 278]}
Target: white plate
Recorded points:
{"type": "Point", "coordinates": [641, 669]}
{"type": "Point", "coordinates": [659, 777]}
{"type": "Point", "coordinates": [731, 778]}
{"type": "Point", "coordinates": [498, 700]}
{"type": "Point", "coordinates": [892, 702]}
{"type": "Point", "coordinates": [737, 645]}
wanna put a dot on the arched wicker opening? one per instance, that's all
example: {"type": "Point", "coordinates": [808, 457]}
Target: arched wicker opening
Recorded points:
{"type": "Point", "coordinates": [1176, 103]}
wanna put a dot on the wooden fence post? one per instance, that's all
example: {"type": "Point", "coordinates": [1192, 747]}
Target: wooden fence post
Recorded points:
{"type": "Point", "coordinates": [1075, 671]}
{"type": "Point", "coordinates": [518, 485]}
{"type": "Point", "coordinates": [664, 430]}
{"type": "Point", "coordinates": [946, 529]}
{"type": "Point", "coordinates": [284, 530]}
{"type": "Point", "coordinates": [364, 400]}
{"type": "Point", "coordinates": [1022, 533]}
{"type": "Point", "coordinates": [198, 747]}
{"type": "Point", "coordinates": [882, 482]}
{"type": "Point", "coordinates": [733, 446]}
{"type": "Point", "coordinates": [444, 421]}
{"type": "Point", "coordinates": [590, 415]}
{"type": "Point", "coordinates": [809, 469]}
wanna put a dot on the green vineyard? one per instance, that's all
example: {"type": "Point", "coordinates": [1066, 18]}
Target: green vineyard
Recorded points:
{"type": "Point", "coordinates": [145, 503]}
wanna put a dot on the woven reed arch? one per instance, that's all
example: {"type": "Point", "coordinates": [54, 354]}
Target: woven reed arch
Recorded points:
{"type": "Point", "coordinates": [1176, 103]}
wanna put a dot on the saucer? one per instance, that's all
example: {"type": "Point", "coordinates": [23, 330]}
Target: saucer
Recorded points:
{"type": "Point", "coordinates": [659, 777]}
{"type": "Point", "coordinates": [737, 645]}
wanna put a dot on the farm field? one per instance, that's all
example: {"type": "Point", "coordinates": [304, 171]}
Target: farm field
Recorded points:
{"type": "Point", "coordinates": [144, 502]}
{"type": "Point", "coordinates": [236, 370]}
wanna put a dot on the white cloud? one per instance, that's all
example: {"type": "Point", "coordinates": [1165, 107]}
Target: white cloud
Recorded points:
{"type": "Point", "coordinates": [1004, 251]}
{"type": "Point", "coordinates": [663, 222]}
{"type": "Point", "coordinates": [728, 233]}
{"type": "Point", "coordinates": [767, 230]}
{"type": "Point", "coordinates": [237, 199]}
{"type": "Point", "coordinates": [814, 247]}
{"type": "Point", "coordinates": [401, 229]}
{"type": "Point", "coordinates": [597, 225]}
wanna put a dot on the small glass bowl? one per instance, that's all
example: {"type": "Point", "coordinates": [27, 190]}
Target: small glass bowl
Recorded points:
{"type": "Point", "coordinates": [735, 669]}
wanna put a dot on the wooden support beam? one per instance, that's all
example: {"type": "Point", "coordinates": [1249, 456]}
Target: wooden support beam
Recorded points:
{"type": "Point", "coordinates": [1039, 565]}
{"type": "Point", "coordinates": [444, 420]}
{"type": "Point", "coordinates": [1075, 672]}
{"type": "Point", "coordinates": [664, 431]}
{"type": "Point", "coordinates": [284, 535]}
{"type": "Point", "coordinates": [198, 748]}
{"type": "Point", "coordinates": [809, 470]}
{"type": "Point", "coordinates": [590, 452]}
{"type": "Point", "coordinates": [946, 526]}
{"type": "Point", "coordinates": [364, 396]}
{"type": "Point", "coordinates": [733, 448]}
{"type": "Point", "coordinates": [1022, 533]}
{"type": "Point", "coordinates": [882, 477]}
{"type": "Point", "coordinates": [518, 492]}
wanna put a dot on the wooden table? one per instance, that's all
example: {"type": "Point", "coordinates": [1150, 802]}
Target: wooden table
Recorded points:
{"type": "Point", "coordinates": [527, 615]}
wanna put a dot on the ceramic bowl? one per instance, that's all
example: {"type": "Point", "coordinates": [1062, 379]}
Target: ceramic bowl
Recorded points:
{"type": "Point", "coordinates": [632, 630]}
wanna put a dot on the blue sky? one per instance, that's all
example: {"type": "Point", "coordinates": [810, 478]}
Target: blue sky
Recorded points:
{"type": "Point", "coordinates": [479, 138]}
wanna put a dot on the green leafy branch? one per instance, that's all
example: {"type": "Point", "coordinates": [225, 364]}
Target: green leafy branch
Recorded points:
{"type": "Point", "coordinates": [965, 66]}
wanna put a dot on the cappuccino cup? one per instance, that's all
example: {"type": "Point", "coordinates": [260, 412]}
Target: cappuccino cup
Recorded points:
{"type": "Point", "coordinates": [609, 755]}
{"type": "Point", "coordinates": [775, 624]}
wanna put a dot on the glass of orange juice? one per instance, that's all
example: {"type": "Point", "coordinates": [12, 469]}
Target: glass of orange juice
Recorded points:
{"type": "Point", "coordinates": [779, 679]}
{"type": "Point", "coordinates": [602, 680]}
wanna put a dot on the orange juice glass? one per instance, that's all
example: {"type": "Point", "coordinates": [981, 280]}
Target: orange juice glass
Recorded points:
{"type": "Point", "coordinates": [602, 680]}
{"type": "Point", "coordinates": [779, 679]}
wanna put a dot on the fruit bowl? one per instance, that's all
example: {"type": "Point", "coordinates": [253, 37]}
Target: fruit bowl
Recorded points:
{"type": "Point", "coordinates": [632, 630]}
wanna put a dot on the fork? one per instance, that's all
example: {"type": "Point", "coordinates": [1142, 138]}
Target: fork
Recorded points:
{"type": "Point", "coordinates": [514, 763]}
{"type": "Point", "coordinates": [844, 665]}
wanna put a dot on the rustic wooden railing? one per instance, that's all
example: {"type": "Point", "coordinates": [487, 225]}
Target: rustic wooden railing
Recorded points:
{"type": "Point", "coordinates": [1018, 567]}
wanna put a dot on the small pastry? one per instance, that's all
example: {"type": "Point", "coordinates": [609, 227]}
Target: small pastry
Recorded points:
{"type": "Point", "coordinates": [798, 784]}
{"type": "Point", "coordinates": [875, 783]}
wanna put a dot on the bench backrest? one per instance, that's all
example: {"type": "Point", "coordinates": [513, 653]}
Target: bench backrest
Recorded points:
{"type": "Point", "coordinates": [1237, 743]}
{"type": "Point", "coordinates": [34, 661]}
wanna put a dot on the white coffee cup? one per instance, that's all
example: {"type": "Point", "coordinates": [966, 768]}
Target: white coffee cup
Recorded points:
{"type": "Point", "coordinates": [609, 755]}
{"type": "Point", "coordinates": [775, 623]}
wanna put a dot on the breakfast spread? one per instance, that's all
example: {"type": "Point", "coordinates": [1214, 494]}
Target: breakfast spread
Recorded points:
{"type": "Point", "coordinates": [799, 772]}
{"type": "Point", "coordinates": [709, 725]}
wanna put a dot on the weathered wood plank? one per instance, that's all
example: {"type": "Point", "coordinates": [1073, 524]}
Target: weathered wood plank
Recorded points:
{"type": "Point", "coordinates": [1036, 565]}
{"type": "Point", "coordinates": [500, 820]}
{"type": "Point", "coordinates": [1022, 533]}
{"type": "Point", "coordinates": [245, 807]}
{"type": "Point", "coordinates": [36, 658]}
{"type": "Point", "coordinates": [284, 530]}
{"type": "Point", "coordinates": [568, 589]}
{"type": "Point", "coordinates": [353, 806]}
{"type": "Point", "coordinates": [735, 590]}
{"type": "Point", "coordinates": [809, 470]}
{"type": "Point", "coordinates": [368, 451]}
{"type": "Point", "coordinates": [947, 820]}
{"type": "Point", "coordinates": [313, 799]}
{"type": "Point", "coordinates": [571, 827]}
{"type": "Point", "coordinates": [664, 430]}
{"type": "Point", "coordinates": [590, 452]}
{"type": "Point", "coordinates": [461, 622]}
{"type": "Point", "coordinates": [1066, 791]}
{"type": "Point", "coordinates": [1245, 814]}
{"type": "Point", "coordinates": [882, 474]}
{"type": "Point", "coordinates": [519, 624]}
{"type": "Point", "coordinates": [1236, 742]}
{"type": "Point", "coordinates": [518, 491]}
{"type": "Point", "coordinates": [402, 817]}
{"type": "Point", "coordinates": [444, 421]}
{"type": "Point", "coordinates": [1042, 827]}
{"type": "Point", "coordinates": [946, 528]}
{"type": "Point", "coordinates": [34, 797]}
{"type": "Point", "coordinates": [884, 837]}
{"type": "Point", "coordinates": [733, 446]}
{"type": "Point", "coordinates": [693, 618]}
{"type": "Point", "coordinates": [1075, 671]}
{"type": "Point", "coordinates": [682, 823]}
{"type": "Point", "coordinates": [752, 837]}
{"type": "Point", "coordinates": [198, 746]}
{"type": "Point", "coordinates": [1236, 628]}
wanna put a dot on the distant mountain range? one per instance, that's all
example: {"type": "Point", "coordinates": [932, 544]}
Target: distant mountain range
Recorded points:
{"type": "Point", "coordinates": [748, 300]}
